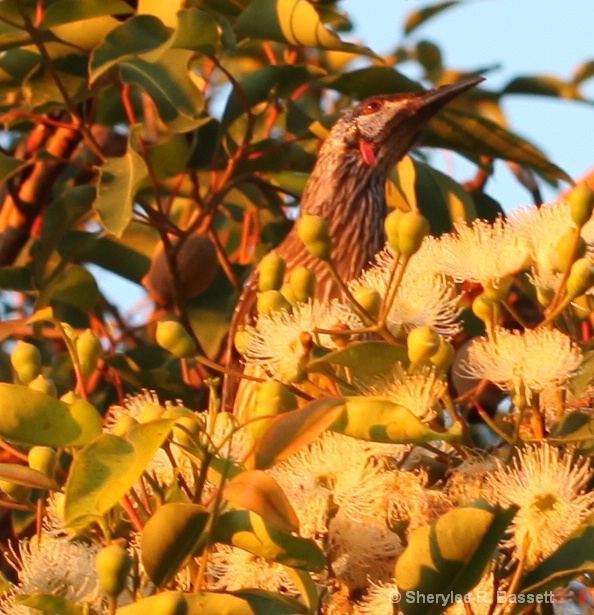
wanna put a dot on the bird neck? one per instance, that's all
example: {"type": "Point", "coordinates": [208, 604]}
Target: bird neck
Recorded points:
{"type": "Point", "coordinates": [351, 196]}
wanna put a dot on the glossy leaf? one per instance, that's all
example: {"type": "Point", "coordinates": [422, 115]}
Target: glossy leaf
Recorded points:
{"type": "Point", "coordinates": [380, 420]}
{"type": "Point", "coordinates": [30, 417]}
{"type": "Point", "coordinates": [167, 81]}
{"type": "Point", "coordinates": [75, 286]}
{"type": "Point", "coordinates": [290, 21]}
{"type": "Point", "coordinates": [170, 602]}
{"type": "Point", "coordinates": [257, 491]}
{"type": "Point", "coordinates": [169, 537]}
{"type": "Point", "coordinates": [24, 475]}
{"type": "Point", "coordinates": [474, 136]}
{"type": "Point", "coordinates": [290, 431]}
{"type": "Point", "coordinates": [370, 81]}
{"type": "Point", "coordinates": [542, 85]}
{"type": "Point", "coordinates": [49, 603]}
{"type": "Point", "coordinates": [247, 530]}
{"type": "Point", "coordinates": [137, 35]}
{"type": "Point", "coordinates": [108, 467]}
{"type": "Point", "coordinates": [244, 602]}
{"type": "Point", "coordinates": [9, 166]}
{"type": "Point", "coordinates": [419, 17]}
{"type": "Point", "coordinates": [119, 180]}
{"type": "Point", "coordinates": [450, 555]}
{"type": "Point", "coordinates": [197, 30]}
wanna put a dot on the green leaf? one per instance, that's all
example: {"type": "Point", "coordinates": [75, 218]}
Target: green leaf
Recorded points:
{"type": "Point", "coordinates": [449, 556]}
{"type": "Point", "coordinates": [257, 491]}
{"type": "Point", "coordinates": [542, 85]}
{"type": "Point", "coordinates": [261, 85]}
{"type": "Point", "coordinates": [169, 537]}
{"type": "Point", "coordinates": [364, 359]}
{"type": "Point", "coordinates": [75, 286]}
{"type": "Point", "coordinates": [244, 602]}
{"type": "Point", "coordinates": [106, 252]}
{"type": "Point", "coordinates": [475, 136]}
{"type": "Point", "coordinates": [59, 218]}
{"type": "Point", "coordinates": [16, 278]}
{"type": "Point", "coordinates": [294, 22]}
{"type": "Point", "coordinates": [381, 420]}
{"type": "Point", "coordinates": [370, 81]}
{"type": "Point", "coordinates": [167, 81]}
{"type": "Point", "coordinates": [576, 428]}
{"type": "Point", "coordinates": [68, 11]}
{"type": "Point", "coordinates": [137, 35]}
{"type": "Point", "coordinates": [267, 603]}
{"type": "Point", "coordinates": [49, 603]}
{"type": "Point", "coordinates": [10, 166]}
{"type": "Point", "coordinates": [574, 557]}
{"type": "Point", "coordinates": [293, 430]}
{"type": "Point", "coordinates": [170, 602]}
{"type": "Point", "coordinates": [197, 30]}
{"type": "Point", "coordinates": [248, 531]}
{"type": "Point", "coordinates": [119, 181]}
{"type": "Point", "coordinates": [418, 18]}
{"type": "Point", "coordinates": [30, 417]}
{"type": "Point", "coordinates": [105, 470]}
{"type": "Point", "coordinates": [23, 475]}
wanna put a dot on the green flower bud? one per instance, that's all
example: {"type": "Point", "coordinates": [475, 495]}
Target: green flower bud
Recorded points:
{"type": "Point", "coordinates": [581, 201]}
{"type": "Point", "coordinates": [287, 292]}
{"type": "Point", "coordinates": [123, 425]}
{"type": "Point", "coordinates": [172, 336]}
{"type": "Point", "coordinates": [413, 227]}
{"type": "Point", "coordinates": [271, 301]}
{"type": "Point", "coordinates": [42, 459]}
{"type": "Point", "coordinates": [17, 493]}
{"type": "Point", "coordinates": [303, 283]}
{"type": "Point", "coordinates": [581, 307]}
{"type": "Point", "coordinates": [271, 272]}
{"type": "Point", "coordinates": [26, 361]}
{"type": "Point", "coordinates": [369, 299]}
{"type": "Point", "coordinates": [486, 309]}
{"type": "Point", "coordinates": [241, 340]}
{"type": "Point", "coordinates": [566, 252]}
{"type": "Point", "coordinates": [391, 226]}
{"type": "Point", "coordinates": [88, 348]}
{"type": "Point", "coordinates": [497, 290]}
{"type": "Point", "coordinates": [444, 357]}
{"type": "Point", "coordinates": [43, 385]}
{"type": "Point", "coordinates": [314, 232]}
{"type": "Point", "coordinates": [113, 567]}
{"type": "Point", "coordinates": [544, 295]}
{"type": "Point", "coordinates": [422, 343]}
{"type": "Point", "coordinates": [581, 278]}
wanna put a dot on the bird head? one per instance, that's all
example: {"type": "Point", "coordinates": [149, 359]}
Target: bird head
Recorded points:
{"type": "Point", "coordinates": [384, 128]}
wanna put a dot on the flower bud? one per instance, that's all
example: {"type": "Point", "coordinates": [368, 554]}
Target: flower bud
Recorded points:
{"type": "Point", "coordinates": [486, 309]}
{"type": "Point", "coordinates": [544, 295]}
{"type": "Point", "coordinates": [581, 278]}
{"type": "Point", "coordinates": [369, 299]}
{"type": "Point", "coordinates": [413, 227]}
{"type": "Point", "coordinates": [88, 348]}
{"type": "Point", "coordinates": [287, 292]}
{"type": "Point", "coordinates": [581, 307]}
{"type": "Point", "coordinates": [26, 361]}
{"type": "Point", "coordinates": [172, 336]}
{"type": "Point", "coordinates": [497, 290]}
{"type": "Point", "coordinates": [422, 343]}
{"type": "Point", "coordinates": [581, 201]}
{"type": "Point", "coordinates": [391, 226]}
{"type": "Point", "coordinates": [42, 459]}
{"type": "Point", "coordinates": [303, 283]}
{"type": "Point", "coordinates": [570, 247]}
{"type": "Point", "coordinates": [314, 232]}
{"type": "Point", "coordinates": [113, 567]}
{"type": "Point", "coordinates": [444, 357]}
{"type": "Point", "coordinates": [241, 340]}
{"type": "Point", "coordinates": [271, 272]}
{"type": "Point", "coordinates": [272, 301]}
{"type": "Point", "coordinates": [185, 431]}
{"type": "Point", "coordinates": [43, 385]}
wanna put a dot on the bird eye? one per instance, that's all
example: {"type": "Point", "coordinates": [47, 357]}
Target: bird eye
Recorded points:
{"type": "Point", "coordinates": [372, 105]}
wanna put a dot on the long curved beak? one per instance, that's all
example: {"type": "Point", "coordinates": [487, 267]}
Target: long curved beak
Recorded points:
{"type": "Point", "coordinates": [428, 103]}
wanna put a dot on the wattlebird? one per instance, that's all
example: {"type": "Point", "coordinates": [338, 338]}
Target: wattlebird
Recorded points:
{"type": "Point", "coordinates": [347, 188]}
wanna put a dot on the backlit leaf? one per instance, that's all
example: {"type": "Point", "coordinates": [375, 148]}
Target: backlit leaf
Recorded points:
{"type": "Point", "coordinates": [48, 603]}
{"type": "Point", "coordinates": [418, 18]}
{"type": "Point", "coordinates": [68, 11]}
{"type": "Point", "coordinates": [24, 475]}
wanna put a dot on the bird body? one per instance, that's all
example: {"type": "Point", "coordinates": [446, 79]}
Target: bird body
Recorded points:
{"type": "Point", "coordinates": [347, 186]}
